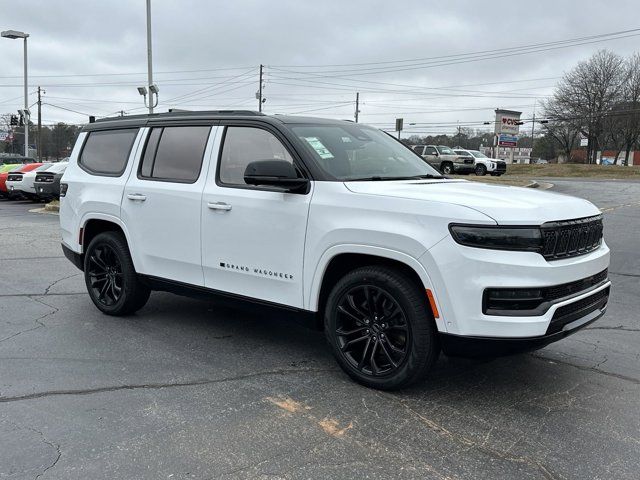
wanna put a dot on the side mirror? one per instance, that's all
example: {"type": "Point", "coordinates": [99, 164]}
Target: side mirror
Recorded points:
{"type": "Point", "coordinates": [275, 173]}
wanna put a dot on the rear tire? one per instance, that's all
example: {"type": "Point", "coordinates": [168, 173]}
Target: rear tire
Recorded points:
{"type": "Point", "coordinates": [380, 328]}
{"type": "Point", "coordinates": [111, 279]}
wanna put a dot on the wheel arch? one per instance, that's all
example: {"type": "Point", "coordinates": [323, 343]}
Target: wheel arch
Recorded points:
{"type": "Point", "coordinates": [94, 224]}
{"type": "Point", "coordinates": [339, 260]}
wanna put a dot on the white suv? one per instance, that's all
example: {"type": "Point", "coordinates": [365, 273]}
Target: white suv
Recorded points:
{"type": "Point", "coordinates": [335, 219]}
{"type": "Point", "coordinates": [482, 163]}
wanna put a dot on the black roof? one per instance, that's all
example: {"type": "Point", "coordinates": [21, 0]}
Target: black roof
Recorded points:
{"type": "Point", "coordinates": [135, 121]}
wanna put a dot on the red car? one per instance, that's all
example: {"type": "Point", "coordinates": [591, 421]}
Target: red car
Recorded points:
{"type": "Point", "coordinates": [19, 168]}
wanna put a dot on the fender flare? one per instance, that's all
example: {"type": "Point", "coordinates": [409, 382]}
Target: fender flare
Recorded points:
{"type": "Point", "coordinates": [313, 296]}
{"type": "Point", "coordinates": [88, 216]}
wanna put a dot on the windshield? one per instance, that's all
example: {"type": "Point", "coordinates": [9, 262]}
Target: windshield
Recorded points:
{"type": "Point", "coordinates": [444, 150]}
{"type": "Point", "coordinates": [478, 154]}
{"type": "Point", "coordinates": [58, 167]}
{"type": "Point", "coordinates": [356, 152]}
{"type": "Point", "coordinates": [43, 167]}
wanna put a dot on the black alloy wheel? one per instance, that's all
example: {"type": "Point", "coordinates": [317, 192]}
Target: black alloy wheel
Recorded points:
{"type": "Point", "coordinates": [111, 278]}
{"type": "Point", "coordinates": [380, 327]}
{"type": "Point", "coordinates": [105, 275]}
{"type": "Point", "coordinates": [372, 330]}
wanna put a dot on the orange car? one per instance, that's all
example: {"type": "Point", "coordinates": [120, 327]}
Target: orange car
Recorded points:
{"type": "Point", "coordinates": [18, 168]}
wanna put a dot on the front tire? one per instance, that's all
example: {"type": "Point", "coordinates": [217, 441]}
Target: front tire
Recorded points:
{"type": "Point", "coordinates": [481, 170]}
{"type": "Point", "coordinates": [111, 279]}
{"type": "Point", "coordinates": [380, 328]}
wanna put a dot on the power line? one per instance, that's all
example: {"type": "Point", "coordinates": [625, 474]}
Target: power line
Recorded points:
{"type": "Point", "coordinates": [562, 43]}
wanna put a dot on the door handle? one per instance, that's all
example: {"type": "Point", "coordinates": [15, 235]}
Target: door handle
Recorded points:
{"type": "Point", "coordinates": [219, 206]}
{"type": "Point", "coordinates": [136, 197]}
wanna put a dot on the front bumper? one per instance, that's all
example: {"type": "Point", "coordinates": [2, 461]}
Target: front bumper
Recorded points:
{"type": "Point", "coordinates": [465, 346]}
{"type": "Point", "coordinates": [460, 275]}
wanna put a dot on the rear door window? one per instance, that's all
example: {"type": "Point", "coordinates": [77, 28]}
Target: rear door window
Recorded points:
{"type": "Point", "coordinates": [174, 153]}
{"type": "Point", "coordinates": [106, 152]}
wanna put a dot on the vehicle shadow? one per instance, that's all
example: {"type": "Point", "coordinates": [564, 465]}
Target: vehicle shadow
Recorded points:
{"type": "Point", "coordinates": [285, 338]}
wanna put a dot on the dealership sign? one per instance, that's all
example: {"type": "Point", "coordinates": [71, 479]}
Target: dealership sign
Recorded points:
{"type": "Point", "coordinates": [507, 140]}
{"type": "Point", "coordinates": [507, 121]}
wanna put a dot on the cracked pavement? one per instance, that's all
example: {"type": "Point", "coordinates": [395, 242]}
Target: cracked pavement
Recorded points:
{"type": "Point", "coordinates": [194, 389]}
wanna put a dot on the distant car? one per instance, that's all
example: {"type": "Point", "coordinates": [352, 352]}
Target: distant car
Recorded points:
{"type": "Point", "coordinates": [21, 184]}
{"type": "Point", "coordinates": [47, 183]}
{"type": "Point", "coordinates": [444, 159]}
{"type": "Point", "coordinates": [4, 191]}
{"type": "Point", "coordinates": [15, 160]}
{"type": "Point", "coordinates": [482, 163]}
{"type": "Point", "coordinates": [4, 173]}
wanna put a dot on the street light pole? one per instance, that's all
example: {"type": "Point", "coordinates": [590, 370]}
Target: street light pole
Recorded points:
{"type": "Point", "coordinates": [149, 55]}
{"type": "Point", "coordinates": [13, 34]}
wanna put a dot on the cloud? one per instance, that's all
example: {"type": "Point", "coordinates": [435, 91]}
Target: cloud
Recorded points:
{"type": "Point", "coordinates": [197, 42]}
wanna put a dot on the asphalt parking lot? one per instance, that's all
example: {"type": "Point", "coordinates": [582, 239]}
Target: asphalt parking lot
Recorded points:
{"type": "Point", "coordinates": [193, 389]}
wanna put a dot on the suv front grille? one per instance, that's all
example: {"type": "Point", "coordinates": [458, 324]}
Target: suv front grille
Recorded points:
{"type": "Point", "coordinates": [573, 311]}
{"type": "Point", "coordinates": [501, 167]}
{"type": "Point", "coordinates": [570, 238]}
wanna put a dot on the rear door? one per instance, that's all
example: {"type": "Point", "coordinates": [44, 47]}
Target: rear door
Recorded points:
{"type": "Point", "coordinates": [162, 201]}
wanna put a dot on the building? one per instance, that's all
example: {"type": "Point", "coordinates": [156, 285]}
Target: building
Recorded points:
{"type": "Point", "coordinates": [509, 154]}
{"type": "Point", "coordinates": [606, 157]}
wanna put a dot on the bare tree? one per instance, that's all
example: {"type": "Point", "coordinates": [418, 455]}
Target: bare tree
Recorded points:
{"type": "Point", "coordinates": [628, 115]}
{"type": "Point", "coordinates": [585, 96]}
{"type": "Point", "coordinates": [564, 132]}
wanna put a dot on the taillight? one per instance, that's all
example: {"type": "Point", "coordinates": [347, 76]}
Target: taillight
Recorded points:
{"type": "Point", "coordinates": [63, 189]}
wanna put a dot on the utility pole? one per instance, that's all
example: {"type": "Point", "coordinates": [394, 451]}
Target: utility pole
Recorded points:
{"type": "Point", "coordinates": [39, 147]}
{"type": "Point", "coordinates": [149, 56]}
{"type": "Point", "coordinates": [357, 105]}
{"type": "Point", "coordinates": [260, 90]}
{"type": "Point", "coordinates": [533, 126]}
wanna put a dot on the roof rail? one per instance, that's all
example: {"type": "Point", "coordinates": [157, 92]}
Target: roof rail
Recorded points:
{"type": "Point", "coordinates": [174, 112]}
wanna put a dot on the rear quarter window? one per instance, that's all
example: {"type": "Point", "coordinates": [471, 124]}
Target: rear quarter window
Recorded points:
{"type": "Point", "coordinates": [106, 152]}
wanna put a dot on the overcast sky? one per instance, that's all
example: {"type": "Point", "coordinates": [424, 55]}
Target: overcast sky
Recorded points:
{"type": "Point", "coordinates": [407, 59]}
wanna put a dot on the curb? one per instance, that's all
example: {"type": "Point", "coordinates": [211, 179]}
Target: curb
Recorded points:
{"type": "Point", "coordinates": [540, 185]}
{"type": "Point", "coordinates": [45, 211]}
{"type": "Point", "coordinates": [52, 208]}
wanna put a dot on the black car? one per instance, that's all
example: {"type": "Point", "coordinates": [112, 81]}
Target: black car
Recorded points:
{"type": "Point", "coordinates": [47, 183]}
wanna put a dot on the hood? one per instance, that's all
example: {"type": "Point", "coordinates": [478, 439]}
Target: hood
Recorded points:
{"type": "Point", "coordinates": [506, 205]}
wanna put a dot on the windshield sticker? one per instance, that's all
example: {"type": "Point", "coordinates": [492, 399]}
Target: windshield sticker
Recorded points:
{"type": "Point", "coordinates": [320, 149]}
{"type": "Point", "coordinates": [346, 139]}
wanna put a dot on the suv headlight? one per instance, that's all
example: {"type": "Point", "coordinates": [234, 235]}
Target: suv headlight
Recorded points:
{"type": "Point", "coordinates": [525, 239]}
